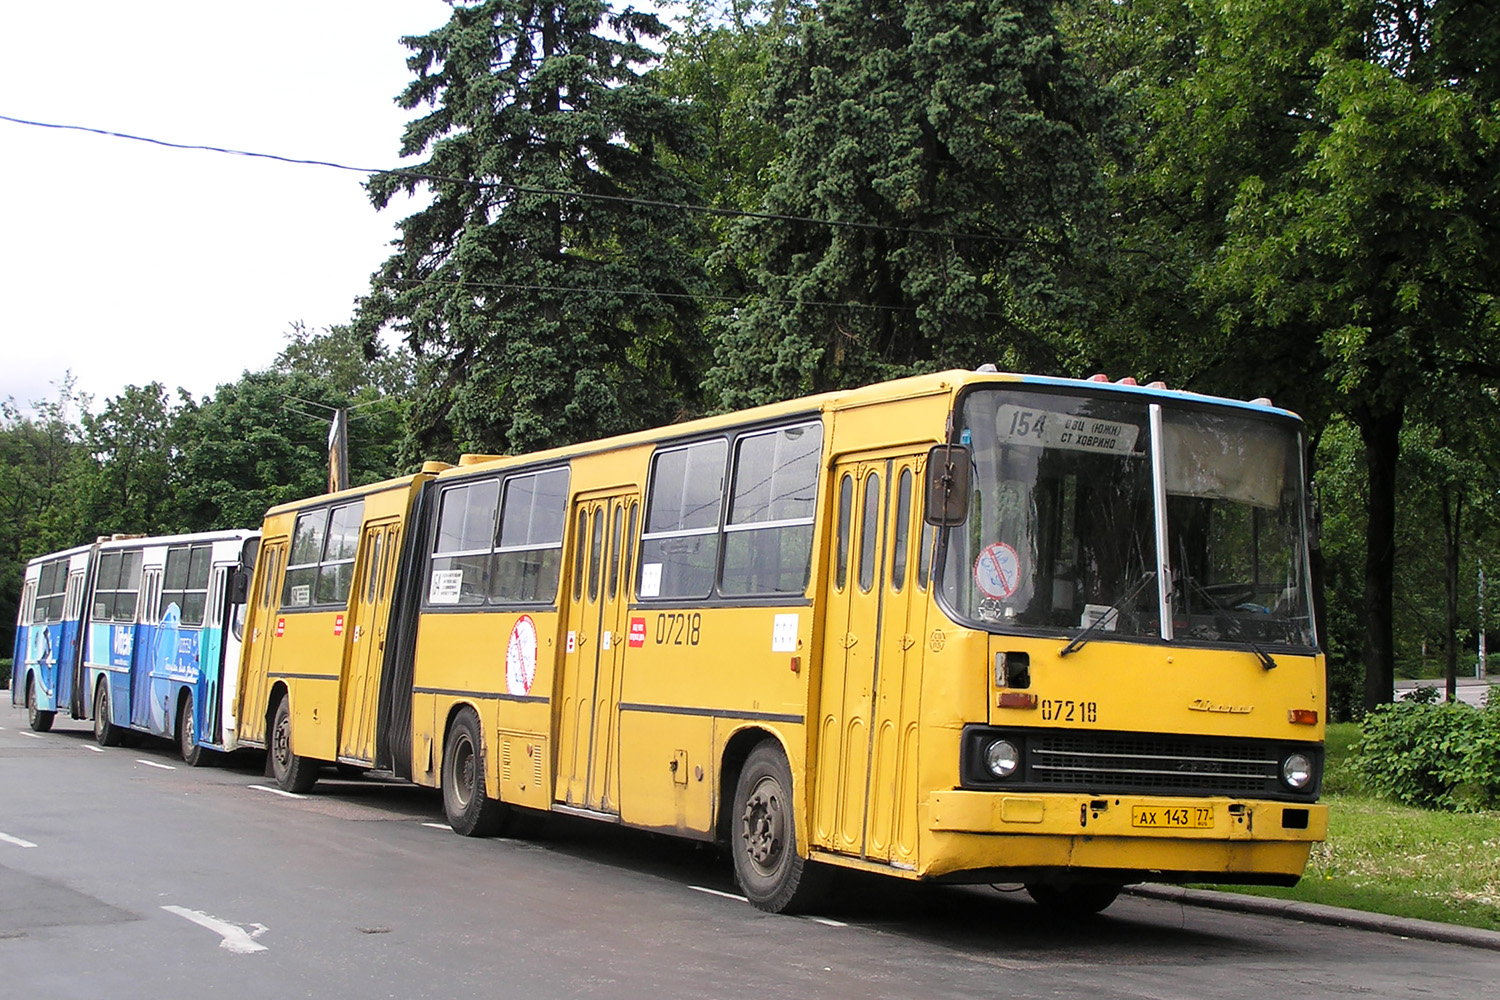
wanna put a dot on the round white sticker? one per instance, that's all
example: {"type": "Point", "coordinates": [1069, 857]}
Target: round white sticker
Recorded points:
{"type": "Point", "coordinates": [997, 571]}
{"type": "Point", "coordinates": [520, 656]}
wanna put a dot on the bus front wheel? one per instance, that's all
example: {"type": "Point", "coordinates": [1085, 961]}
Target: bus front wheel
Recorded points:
{"type": "Point", "coordinates": [292, 772]}
{"type": "Point", "coordinates": [763, 836]}
{"type": "Point", "coordinates": [470, 812]}
{"type": "Point", "coordinates": [39, 720]}
{"type": "Point", "coordinates": [106, 733]}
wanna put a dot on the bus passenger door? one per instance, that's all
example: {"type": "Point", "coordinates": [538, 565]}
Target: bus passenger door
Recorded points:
{"type": "Point", "coordinates": [70, 660]}
{"type": "Point", "coordinates": [260, 635]}
{"type": "Point", "coordinates": [891, 809]}
{"type": "Point", "coordinates": [867, 715]}
{"type": "Point", "coordinates": [587, 751]}
{"type": "Point", "coordinates": [370, 611]}
{"type": "Point", "coordinates": [850, 657]}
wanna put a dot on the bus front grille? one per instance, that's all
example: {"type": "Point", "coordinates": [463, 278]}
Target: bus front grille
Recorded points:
{"type": "Point", "coordinates": [1151, 764]}
{"type": "Point", "coordinates": [1124, 763]}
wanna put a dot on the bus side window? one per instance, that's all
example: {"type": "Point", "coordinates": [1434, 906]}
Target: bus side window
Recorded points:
{"type": "Point", "coordinates": [901, 531]}
{"type": "Point", "coordinates": [846, 508]}
{"type": "Point", "coordinates": [869, 531]}
{"type": "Point", "coordinates": [680, 544]}
{"type": "Point", "coordinates": [580, 542]}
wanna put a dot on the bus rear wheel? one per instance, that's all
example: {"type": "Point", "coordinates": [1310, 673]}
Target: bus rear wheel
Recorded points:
{"type": "Point", "coordinates": [763, 837]}
{"type": "Point", "coordinates": [292, 772]}
{"type": "Point", "coordinates": [106, 733]}
{"type": "Point", "coordinates": [470, 812]}
{"type": "Point", "coordinates": [39, 720]}
{"type": "Point", "coordinates": [1073, 900]}
{"type": "Point", "coordinates": [193, 754]}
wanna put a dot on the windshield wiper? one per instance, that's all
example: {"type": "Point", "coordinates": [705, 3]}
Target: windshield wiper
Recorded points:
{"type": "Point", "coordinates": [1078, 640]}
{"type": "Point", "coordinates": [1222, 616]}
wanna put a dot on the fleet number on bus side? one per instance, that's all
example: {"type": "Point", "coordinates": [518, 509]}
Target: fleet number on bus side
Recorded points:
{"type": "Point", "coordinates": [679, 628]}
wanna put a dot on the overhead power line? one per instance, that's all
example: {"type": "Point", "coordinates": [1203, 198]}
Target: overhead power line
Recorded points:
{"type": "Point", "coordinates": [418, 175]}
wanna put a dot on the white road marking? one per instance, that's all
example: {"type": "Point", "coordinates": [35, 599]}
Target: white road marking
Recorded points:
{"type": "Point", "coordinates": [437, 826]}
{"type": "Point", "coordinates": [152, 763]}
{"type": "Point", "coordinates": [90, 746]}
{"type": "Point", "coordinates": [236, 938]}
{"type": "Point", "coordinates": [276, 791]}
{"type": "Point", "coordinates": [826, 921]}
{"type": "Point", "coordinates": [716, 892]}
{"type": "Point", "coordinates": [35, 736]}
{"type": "Point", "coordinates": [7, 838]}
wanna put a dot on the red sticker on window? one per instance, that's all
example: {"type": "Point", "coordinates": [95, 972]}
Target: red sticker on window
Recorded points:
{"type": "Point", "coordinates": [338, 624]}
{"type": "Point", "coordinates": [637, 632]}
{"type": "Point", "coordinates": [281, 626]}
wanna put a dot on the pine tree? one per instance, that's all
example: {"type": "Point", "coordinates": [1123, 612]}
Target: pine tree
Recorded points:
{"type": "Point", "coordinates": [942, 146]}
{"type": "Point", "coordinates": [549, 289]}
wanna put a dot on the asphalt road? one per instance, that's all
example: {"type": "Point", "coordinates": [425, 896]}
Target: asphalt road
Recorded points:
{"type": "Point", "coordinates": [124, 874]}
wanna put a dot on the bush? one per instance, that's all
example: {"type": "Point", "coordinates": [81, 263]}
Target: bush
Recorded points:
{"type": "Point", "coordinates": [4, 674]}
{"type": "Point", "coordinates": [1432, 755]}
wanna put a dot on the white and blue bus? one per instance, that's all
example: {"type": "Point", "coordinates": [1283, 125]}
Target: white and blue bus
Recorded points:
{"type": "Point", "coordinates": [47, 664]}
{"type": "Point", "coordinates": [147, 633]}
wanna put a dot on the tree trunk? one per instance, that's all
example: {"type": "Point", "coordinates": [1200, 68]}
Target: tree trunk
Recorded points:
{"type": "Point", "coordinates": [1381, 433]}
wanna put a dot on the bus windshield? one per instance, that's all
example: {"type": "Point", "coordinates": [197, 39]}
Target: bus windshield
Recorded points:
{"type": "Point", "coordinates": [1062, 532]}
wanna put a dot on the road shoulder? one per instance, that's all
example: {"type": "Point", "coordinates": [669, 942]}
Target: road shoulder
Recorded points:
{"type": "Point", "coordinates": [1317, 913]}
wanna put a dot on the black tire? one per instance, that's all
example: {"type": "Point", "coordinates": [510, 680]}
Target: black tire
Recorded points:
{"type": "Point", "coordinates": [763, 837]}
{"type": "Point", "coordinates": [193, 753]}
{"type": "Point", "coordinates": [293, 773]}
{"type": "Point", "coordinates": [39, 720]}
{"type": "Point", "coordinates": [1073, 900]}
{"type": "Point", "coordinates": [106, 733]}
{"type": "Point", "coordinates": [470, 812]}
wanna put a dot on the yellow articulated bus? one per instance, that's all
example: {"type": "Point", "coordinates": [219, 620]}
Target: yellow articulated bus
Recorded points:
{"type": "Point", "coordinates": [967, 626]}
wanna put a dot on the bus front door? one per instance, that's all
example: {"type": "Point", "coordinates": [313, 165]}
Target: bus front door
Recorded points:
{"type": "Point", "coordinates": [371, 611]}
{"type": "Point", "coordinates": [867, 711]}
{"type": "Point", "coordinates": [587, 750]}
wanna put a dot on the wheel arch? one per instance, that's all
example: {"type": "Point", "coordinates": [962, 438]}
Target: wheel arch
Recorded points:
{"type": "Point", "coordinates": [454, 710]}
{"type": "Point", "coordinates": [279, 690]}
{"type": "Point", "coordinates": [184, 693]}
{"type": "Point", "coordinates": [731, 762]}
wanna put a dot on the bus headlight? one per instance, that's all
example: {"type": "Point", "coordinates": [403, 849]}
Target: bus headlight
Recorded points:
{"type": "Point", "coordinates": [1002, 758]}
{"type": "Point", "coordinates": [1297, 771]}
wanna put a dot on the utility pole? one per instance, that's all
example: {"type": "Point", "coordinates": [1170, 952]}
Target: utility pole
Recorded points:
{"type": "Point", "coordinates": [1481, 669]}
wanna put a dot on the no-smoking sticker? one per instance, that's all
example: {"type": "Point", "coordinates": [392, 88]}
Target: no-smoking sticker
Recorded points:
{"type": "Point", "coordinates": [520, 656]}
{"type": "Point", "coordinates": [997, 571]}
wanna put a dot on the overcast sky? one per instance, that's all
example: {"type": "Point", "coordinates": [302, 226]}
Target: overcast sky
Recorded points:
{"type": "Point", "coordinates": [127, 263]}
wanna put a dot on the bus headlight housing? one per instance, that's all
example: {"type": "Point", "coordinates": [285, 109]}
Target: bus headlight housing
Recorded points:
{"type": "Point", "coordinates": [1002, 758]}
{"type": "Point", "coordinates": [1296, 771]}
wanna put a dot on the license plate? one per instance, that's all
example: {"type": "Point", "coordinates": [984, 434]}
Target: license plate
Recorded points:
{"type": "Point", "coordinates": [1172, 817]}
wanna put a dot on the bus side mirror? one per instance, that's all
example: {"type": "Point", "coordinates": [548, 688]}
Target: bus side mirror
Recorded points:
{"type": "Point", "coordinates": [249, 552]}
{"type": "Point", "coordinates": [948, 481]}
{"type": "Point", "coordinates": [239, 586]}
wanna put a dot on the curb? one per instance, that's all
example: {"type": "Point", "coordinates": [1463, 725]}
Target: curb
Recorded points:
{"type": "Point", "coordinates": [1317, 913]}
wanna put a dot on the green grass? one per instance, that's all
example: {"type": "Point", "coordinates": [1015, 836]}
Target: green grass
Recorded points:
{"type": "Point", "coordinates": [1395, 859]}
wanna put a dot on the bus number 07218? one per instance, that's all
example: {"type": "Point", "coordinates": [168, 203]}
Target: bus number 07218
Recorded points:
{"type": "Point", "coordinates": [678, 628]}
{"type": "Point", "coordinates": [1059, 710]}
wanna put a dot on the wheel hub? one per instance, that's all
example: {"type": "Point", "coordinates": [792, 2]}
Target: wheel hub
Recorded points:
{"type": "Point", "coordinates": [763, 823]}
